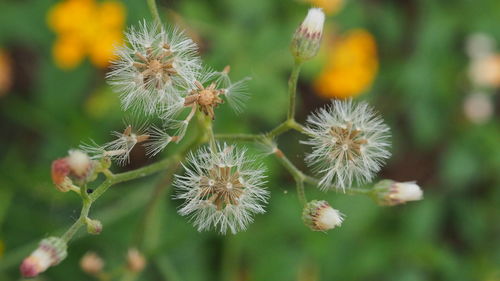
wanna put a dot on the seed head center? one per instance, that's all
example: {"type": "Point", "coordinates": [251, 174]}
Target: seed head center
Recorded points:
{"type": "Point", "coordinates": [222, 187]}
{"type": "Point", "coordinates": [348, 138]}
{"type": "Point", "coordinates": [155, 68]}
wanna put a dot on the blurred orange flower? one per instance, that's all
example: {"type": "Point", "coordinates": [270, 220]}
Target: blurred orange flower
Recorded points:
{"type": "Point", "coordinates": [330, 7]}
{"type": "Point", "coordinates": [86, 28]}
{"type": "Point", "coordinates": [5, 72]}
{"type": "Point", "coordinates": [351, 66]}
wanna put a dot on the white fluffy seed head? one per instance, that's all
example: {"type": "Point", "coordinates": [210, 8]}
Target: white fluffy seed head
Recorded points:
{"type": "Point", "coordinates": [154, 68]}
{"type": "Point", "coordinates": [221, 189]}
{"type": "Point", "coordinates": [349, 144]}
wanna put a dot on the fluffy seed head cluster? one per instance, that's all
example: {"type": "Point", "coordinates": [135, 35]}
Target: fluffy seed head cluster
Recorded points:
{"type": "Point", "coordinates": [320, 216]}
{"type": "Point", "coordinates": [222, 189]}
{"type": "Point", "coordinates": [154, 68]}
{"type": "Point", "coordinates": [51, 251]}
{"type": "Point", "coordinates": [390, 193]}
{"type": "Point", "coordinates": [307, 37]}
{"type": "Point", "coordinates": [349, 142]}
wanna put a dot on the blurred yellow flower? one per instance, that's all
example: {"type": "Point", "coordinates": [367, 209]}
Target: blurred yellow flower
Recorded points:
{"type": "Point", "coordinates": [330, 7]}
{"type": "Point", "coordinates": [86, 28]}
{"type": "Point", "coordinates": [351, 66]}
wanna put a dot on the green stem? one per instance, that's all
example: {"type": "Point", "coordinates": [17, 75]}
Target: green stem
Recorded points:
{"type": "Point", "coordinates": [292, 89]}
{"type": "Point", "coordinates": [240, 137]}
{"type": "Point", "coordinates": [300, 192]}
{"type": "Point", "coordinates": [153, 9]}
{"type": "Point", "coordinates": [350, 191]}
{"type": "Point", "coordinates": [78, 223]}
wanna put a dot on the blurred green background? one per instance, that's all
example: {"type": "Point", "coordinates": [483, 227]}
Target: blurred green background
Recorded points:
{"type": "Point", "coordinates": [421, 88]}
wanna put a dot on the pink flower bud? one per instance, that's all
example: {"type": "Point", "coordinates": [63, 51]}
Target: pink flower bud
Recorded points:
{"type": "Point", "coordinates": [51, 251]}
{"type": "Point", "coordinates": [60, 170]}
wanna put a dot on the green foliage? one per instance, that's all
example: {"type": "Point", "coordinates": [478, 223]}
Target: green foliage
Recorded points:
{"type": "Point", "coordinates": [452, 234]}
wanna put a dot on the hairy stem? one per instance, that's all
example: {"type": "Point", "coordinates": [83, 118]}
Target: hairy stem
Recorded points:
{"type": "Point", "coordinates": [292, 89]}
{"type": "Point", "coordinates": [153, 9]}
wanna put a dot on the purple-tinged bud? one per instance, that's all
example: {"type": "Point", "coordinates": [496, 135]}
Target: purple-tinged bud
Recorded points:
{"type": "Point", "coordinates": [320, 216]}
{"type": "Point", "coordinates": [390, 193]}
{"type": "Point", "coordinates": [50, 252]}
{"type": "Point", "coordinates": [307, 38]}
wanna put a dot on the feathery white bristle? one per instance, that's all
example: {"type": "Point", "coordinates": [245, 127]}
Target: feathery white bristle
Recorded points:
{"type": "Point", "coordinates": [202, 170]}
{"type": "Point", "coordinates": [349, 143]}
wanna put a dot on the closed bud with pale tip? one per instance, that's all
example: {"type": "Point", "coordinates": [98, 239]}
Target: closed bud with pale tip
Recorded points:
{"type": "Point", "coordinates": [50, 252]}
{"type": "Point", "coordinates": [135, 260]}
{"type": "Point", "coordinates": [320, 216]}
{"type": "Point", "coordinates": [307, 38]}
{"type": "Point", "coordinates": [390, 193]}
{"type": "Point", "coordinates": [91, 263]}
{"type": "Point", "coordinates": [77, 165]}
{"type": "Point", "coordinates": [93, 226]}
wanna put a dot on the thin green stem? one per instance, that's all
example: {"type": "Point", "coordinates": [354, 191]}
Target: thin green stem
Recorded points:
{"type": "Point", "coordinates": [351, 191]}
{"type": "Point", "coordinates": [292, 89]}
{"type": "Point", "coordinates": [153, 9]}
{"type": "Point", "coordinates": [301, 192]}
{"type": "Point", "coordinates": [210, 133]}
{"type": "Point", "coordinates": [240, 137]}
{"type": "Point", "coordinates": [78, 223]}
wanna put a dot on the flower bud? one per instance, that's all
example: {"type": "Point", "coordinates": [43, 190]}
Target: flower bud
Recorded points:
{"type": "Point", "coordinates": [320, 216]}
{"type": "Point", "coordinates": [390, 193]}
{"type": "Point", "coordinates": [60, 171]}
{"type": "Point", "coordinates": [51, 251]}
{"type": "Point", "coordinates": [91, 263]}
{"type": "Point", "coordinates": [94, 226]}
{"type": "Point", "coordinates": [135, 260]}
{"type": "Point", "coordinates": [77, 166]}
{"type": "Point", "coordinates": [307, 38]}
{"type": "Point", "coordinates": [79, 163]}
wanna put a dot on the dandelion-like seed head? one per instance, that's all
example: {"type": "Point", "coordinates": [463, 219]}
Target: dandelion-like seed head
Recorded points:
{"type": "Point", "coordinates": [156, 66]}
{"type": "Point", "coordinates": [222, 189]}
{"type": "Point", "coordinates": [350, 143]}
{"type": "Point", "coordinates": [120, 148]}
{"type": "Point", "coordinates": [206, 98]}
